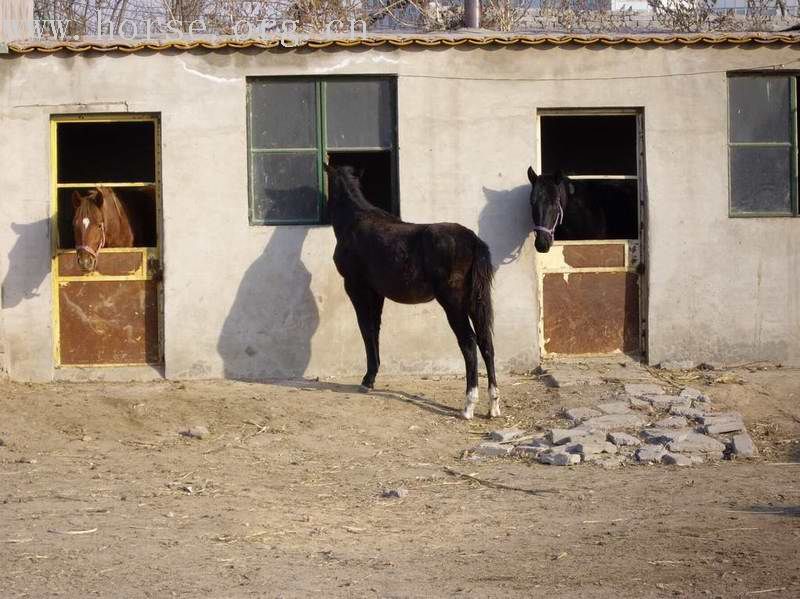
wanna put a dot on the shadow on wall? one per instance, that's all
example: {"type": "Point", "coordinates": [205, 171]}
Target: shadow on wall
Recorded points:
{"type": "Point", "coordinates": [268, 332]}
{"type": "Point", "coordinates": [27, 263]}
{"type": "Point", "coordinates": [505, 222]}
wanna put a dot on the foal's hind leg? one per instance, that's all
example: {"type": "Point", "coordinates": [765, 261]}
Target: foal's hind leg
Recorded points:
{"type": "Point", "coordinates": [368, 306]}
{"type": "Point", "coordinates": [486, 346]}
{"type": "Point", "coordinates": [459, 322]}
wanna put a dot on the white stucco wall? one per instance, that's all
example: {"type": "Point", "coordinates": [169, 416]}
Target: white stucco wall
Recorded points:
{"type": "Point", "coordinates": [267, 301]}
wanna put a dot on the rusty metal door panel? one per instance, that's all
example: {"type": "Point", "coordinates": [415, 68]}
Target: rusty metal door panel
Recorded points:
{"type": "Point", "coordinates": [109, 263]}
{"type": "Point", "coordinates": [597, 255]}
{"type": "Point", "coordinates": [108, 322]}
{"type": "Point", "coordinates": [589, 297]}
{"type": "Point", "coordinates": [590, 312]}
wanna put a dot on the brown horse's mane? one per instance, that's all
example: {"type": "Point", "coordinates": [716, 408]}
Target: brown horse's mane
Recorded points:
{"type": "Point", "coordinates": [116, 218]}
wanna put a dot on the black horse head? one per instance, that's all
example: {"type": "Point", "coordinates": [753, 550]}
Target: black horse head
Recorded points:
{"type": "Point", "coordinates": [549, 195]}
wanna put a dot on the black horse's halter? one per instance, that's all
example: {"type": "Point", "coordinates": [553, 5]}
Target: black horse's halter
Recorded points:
{"type": "Point", "coordinates": [552, 230]}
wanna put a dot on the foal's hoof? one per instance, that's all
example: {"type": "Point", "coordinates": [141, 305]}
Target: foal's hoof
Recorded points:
{"type": "Point", "coordinates": [494, 413]}
{"type": "Point", "coordinates": [466, 415]}
{"type": "Point", "coordinates": [364, 388]}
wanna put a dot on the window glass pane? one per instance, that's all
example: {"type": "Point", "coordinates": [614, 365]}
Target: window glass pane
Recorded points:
{"type": "Point", "coordinates": [285, 187]}
{"type": "Point", "coordinates": [283, 114]}
{"type": "Point", "coordinates": [760, 179]}
{"type": "Point", "coordinates": [359, 113]}
{"type": "Point", "coordinates": [759, 108]}
{"type": "Point", "coordinates": [589, 145]}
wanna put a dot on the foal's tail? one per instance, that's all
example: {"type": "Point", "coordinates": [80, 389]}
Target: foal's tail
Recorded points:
{"type": "Point", "coordinates": [481, 274]}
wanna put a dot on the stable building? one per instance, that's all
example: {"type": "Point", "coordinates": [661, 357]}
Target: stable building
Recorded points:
{"type": "Point", "coordinates": [689, 143]}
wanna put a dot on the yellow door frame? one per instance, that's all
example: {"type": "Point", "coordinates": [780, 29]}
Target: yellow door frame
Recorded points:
{"type": "Point", "coordinates": [145, 272]}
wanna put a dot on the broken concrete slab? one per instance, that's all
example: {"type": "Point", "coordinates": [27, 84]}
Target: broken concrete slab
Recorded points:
{"type": "Point", "coordinates": [648, 454]}
{"type": "Point", "coordinates": [559, 458]}
{"type": "Point", "coordinates": [672, 422]}
{"type": "Point", "coordinates": [710, 417]}
{"type": "Point", "coordinates": [742, 446]}
{"type": "Point", "coordinates": [612, 421]}
{"type": "Point", "coordinates": [663, 436]}
{"type": "Point", "coordinates": [642, 389]}
{"type": "Point", "coordinates": [560, 436]}
{"type": "Point", "coordinates": [665, 402]}
{"type": "Point", "coordinates": [623, 439]}
{"type": "Point", "coordinates": [696, 443]}
{"type": "Point", "coordinates": [506, 435]}
{"type": "Point", "coordinates": [614, 407]}
{"type": "Point", "coordinates": [719, 426]}
{"type": "Point", "coordinates": [400, 492]}
{"type": "Point", "coordinates": [640, 404]}
{"type": "Point", "coordinates": [581, 414]}
{"type": "Point", "coordinates": [691, 413]}
{"type": "Point", "coordinates": [197, 431]}
{"type": "Point", "coordinates": [491, 449]}
{"type": "Point", "coordinates": [591, 446]}
{"type": "Point", "coordinates": [531, 451]}
{"type": "Point", "coordinates": [695, 395]}
{"type": "Point", "coordinates": [676, 459]}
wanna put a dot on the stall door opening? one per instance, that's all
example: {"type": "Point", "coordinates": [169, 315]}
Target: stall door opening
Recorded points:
{"type": "Point", "coordinates": [110, 316]}
{"type": "Point", "coordinates": [589, 283]}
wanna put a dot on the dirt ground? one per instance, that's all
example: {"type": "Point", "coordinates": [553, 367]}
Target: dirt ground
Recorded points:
{"type": "Point", "coordinates": [100, 495]}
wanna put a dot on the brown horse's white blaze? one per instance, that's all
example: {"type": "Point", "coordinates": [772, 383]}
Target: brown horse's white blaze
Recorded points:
{"type": "Point", "coordinates": [99, 221]}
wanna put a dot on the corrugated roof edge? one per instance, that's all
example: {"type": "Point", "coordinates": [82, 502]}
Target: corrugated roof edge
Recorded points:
{"type": "Point", "coordinates": [423, 40]}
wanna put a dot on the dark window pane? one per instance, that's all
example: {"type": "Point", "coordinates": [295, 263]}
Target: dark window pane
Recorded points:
{"type": "Point", "coordinates": [285, 187]}
{"type": "Point", "coordinates": [759, 108]}
{"type": "Point", "coordinates": [122, 152]}
{"type": "Point", "coordinates": [359, 113]}
{"type": "Point", "coordinates": [589, 145]}
{"type": "Point", "coordinates": [760, 179]}
{"type": "Point", "coordinates": [283, 114]}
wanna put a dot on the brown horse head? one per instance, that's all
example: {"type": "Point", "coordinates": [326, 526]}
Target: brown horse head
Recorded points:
{"type": "Point", "coordinates": [89, 225]}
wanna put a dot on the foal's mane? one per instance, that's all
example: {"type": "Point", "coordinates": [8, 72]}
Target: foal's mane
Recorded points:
{"type": "Point", "coordinates": [353, 187]}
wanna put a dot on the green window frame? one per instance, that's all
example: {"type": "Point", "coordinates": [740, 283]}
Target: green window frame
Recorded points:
{"type": "Point", "coordinates": [290, 148]}
{"type": "Point", "coordinates": [762, 145]}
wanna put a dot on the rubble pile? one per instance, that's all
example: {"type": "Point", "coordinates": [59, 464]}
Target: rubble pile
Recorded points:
{"type": "Point", "coordinates": [644, 425]}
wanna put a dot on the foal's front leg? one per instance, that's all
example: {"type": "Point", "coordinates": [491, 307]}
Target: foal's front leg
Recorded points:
{"type": "Point", "coordinates": [368, 306]}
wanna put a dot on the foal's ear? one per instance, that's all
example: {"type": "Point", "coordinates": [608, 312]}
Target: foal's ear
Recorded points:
{"type": "Point", "coordinates": [76, 199]}
{"type": "Point", "coordinates": [532, 176]}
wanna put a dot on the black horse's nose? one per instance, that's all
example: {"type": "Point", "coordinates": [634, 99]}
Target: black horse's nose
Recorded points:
{"type": "Point", "coordinates": [542, 243]}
